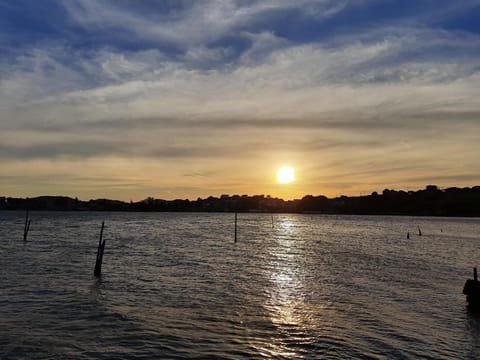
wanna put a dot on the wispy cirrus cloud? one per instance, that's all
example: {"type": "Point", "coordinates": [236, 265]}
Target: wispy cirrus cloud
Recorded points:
{"type": "Point", "coordinates": [189, 23]}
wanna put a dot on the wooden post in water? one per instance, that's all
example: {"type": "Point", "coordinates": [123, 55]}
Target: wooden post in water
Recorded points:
{"type": "Point", "coordinates": [101, 248]}
{"type": "Point", "coordinates": [272, 221]}
{"type": "Point", "coordinates": [419, 231]}
{"type": "Point", "coordinates": [235, 227]}
{"type": "Point", "coordinates": [472, 290]}
{"type": "Point", "coordinates": [27, 226]}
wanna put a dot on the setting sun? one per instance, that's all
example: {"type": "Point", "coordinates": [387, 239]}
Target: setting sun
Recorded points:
{"type": "Point", "coordinates": [286, 175]}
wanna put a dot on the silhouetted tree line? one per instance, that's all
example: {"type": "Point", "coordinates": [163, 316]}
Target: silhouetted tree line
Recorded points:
{"type": "Point", "coordinates": [429, 201]}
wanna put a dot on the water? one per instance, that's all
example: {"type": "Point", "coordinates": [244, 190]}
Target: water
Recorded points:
{"type": "Point", "coordinates": [175, 286]}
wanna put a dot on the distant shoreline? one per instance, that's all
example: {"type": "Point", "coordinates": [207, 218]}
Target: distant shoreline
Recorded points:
{"type": "Point", "coordinates": [431, 201]}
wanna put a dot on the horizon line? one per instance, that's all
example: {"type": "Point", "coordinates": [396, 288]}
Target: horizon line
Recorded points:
{"type": "Point", "coordinates": [432, 186]}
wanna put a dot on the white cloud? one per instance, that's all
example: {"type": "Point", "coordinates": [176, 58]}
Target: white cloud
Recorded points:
{"type": "Point", "coordinates": [272, 79]}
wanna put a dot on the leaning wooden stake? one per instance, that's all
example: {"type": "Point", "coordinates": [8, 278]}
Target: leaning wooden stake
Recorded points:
{"type": "Point", "coordinates": [419, 231]}
{"type": "Point", "coordinates": [26, 227]}
{"type": "Point", "coordinates": [101, 248]}
{"type": "Point", "coordinates": [235, 227]}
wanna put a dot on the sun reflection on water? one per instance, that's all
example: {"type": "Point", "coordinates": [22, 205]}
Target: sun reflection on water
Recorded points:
{"type": "Point", "coordinates": [286, 224]}
{"type": "Point", "coordinates": [286, 300]}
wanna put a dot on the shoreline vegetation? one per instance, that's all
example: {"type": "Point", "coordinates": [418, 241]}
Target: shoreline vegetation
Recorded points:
{"type": "Point", "coordinates": [431, 201]}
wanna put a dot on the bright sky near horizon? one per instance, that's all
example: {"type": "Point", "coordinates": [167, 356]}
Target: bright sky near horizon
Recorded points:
{"type": "Point", "coordinates": [183, 99]}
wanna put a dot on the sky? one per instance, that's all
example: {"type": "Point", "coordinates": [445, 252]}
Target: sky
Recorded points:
{"type": "Point", "coordinates": [127, 99]}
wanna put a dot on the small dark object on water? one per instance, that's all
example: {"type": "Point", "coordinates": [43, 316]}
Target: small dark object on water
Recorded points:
{"type": "Point", "coordinates": [472, 290]}
{"type": "Point", "coordinates": [408, 235]}
{"type": "Point", "coordinates": [419, 231]}
{"type": "Point", "coordinates": [101, 248]}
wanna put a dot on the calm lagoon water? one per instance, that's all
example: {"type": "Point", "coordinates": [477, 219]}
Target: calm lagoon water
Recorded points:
{"type": "Point", "coordinates": [176, 286]}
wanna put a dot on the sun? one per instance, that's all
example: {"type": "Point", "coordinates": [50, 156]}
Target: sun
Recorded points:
{"type": "Point", "coordinates": [286, 175]}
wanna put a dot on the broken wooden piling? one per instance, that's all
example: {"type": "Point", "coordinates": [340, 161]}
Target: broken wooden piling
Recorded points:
{"type": "Point", "coordinates": [27, 226]}
{"type": "Point", "coordinates": [472, 290]}
{"type": "Point", "coordinates": [235, 227]}
{"type": "Point", "coordinates": [101, 248]}
{"type": "Point", "coordinates": [235, 239]}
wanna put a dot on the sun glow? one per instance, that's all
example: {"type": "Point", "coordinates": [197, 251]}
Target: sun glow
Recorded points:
{"type": "Point", "coordinates": [286, 175]}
